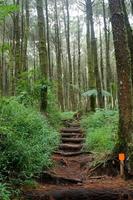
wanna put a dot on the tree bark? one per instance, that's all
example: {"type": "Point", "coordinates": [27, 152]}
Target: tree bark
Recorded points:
{"type": "Point", "coordinates": [123, 62]}
{"type": "Point", "coordinates": [42, 55]}
{"type": "Point", "coordinates": [26, 36]}
{"type": "Point", "coordinates": [108, 67]}
{"type": "Point", "coordinates": [58, 59]}
{"type": "Point", "coordinates": [131, 6]}
{"type": "Point", "coordinates": [79, 63]}
{"type": "Point", "coordinates": [71, 96]}
{"type": "Point", "coordinates": [48, 40]}
{"type": "Point", "coordinates": [101, 57]}
{"type": "Point", "coordinates": [17, 45]}
{"type": "Point", "coordinates": [91, 76]}
{"type": "Point", "coordinates": [129, 35]}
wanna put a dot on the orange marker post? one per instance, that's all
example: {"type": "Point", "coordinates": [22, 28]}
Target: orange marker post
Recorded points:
{"type": "Point", "coordinates": [121, 158]}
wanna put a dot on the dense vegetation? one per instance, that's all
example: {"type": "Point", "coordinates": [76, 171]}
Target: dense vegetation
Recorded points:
{"type": "Point", "coordinates": [101, 131]}
{"type": "Point", "coordinates": [27, 141]}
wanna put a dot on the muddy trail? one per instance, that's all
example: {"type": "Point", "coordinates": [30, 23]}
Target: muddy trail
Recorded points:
{"type": "Point", "coordinates": [71, 178]}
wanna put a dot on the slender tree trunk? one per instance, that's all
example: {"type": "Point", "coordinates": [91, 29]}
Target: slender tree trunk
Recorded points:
{"type": "Point", "coordinates": [42, 55]}
{"type": "Point", "coordinates": [108, 67]}
{"type": "Point", "coordinates": [71, 96]}
{"type": "Point", "coordinates": [79, 64]}
{"type": "Point", "coordinates": [58, 59]}
{"type": "Point", "coordinates": [13, 71]}
{"type": "Point", "coordinates": [91, 76]}
{"type": "Point", "coordinates": [22, 31]}
{"type": "Point", "coordinates": [123, 63]}
{"type": "Point", "coordinates": [66, 64]}
{"type": "Point", "coordinates": [101, 57]}
{"type": "Point", "coordinates": [26, 36]}
{"type": "Point", "coordinates": [17, 45]}
{"type": "Point", "coordinates": [75, 74]}
{"type": "Point", "coordinates": [34, 62]}
{"type": "Point", "coordinates": [98, 80]}
{"type": "Point", "coordinates": [3, 62]}
{"type": "Point", "coordinates": [48, 40]}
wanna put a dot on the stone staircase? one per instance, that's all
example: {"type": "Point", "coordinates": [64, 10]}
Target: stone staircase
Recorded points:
{"type": "Point", "coordinates": [72, 140]}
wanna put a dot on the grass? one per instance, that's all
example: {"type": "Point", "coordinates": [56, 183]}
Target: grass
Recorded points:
{"type": "Point", "coordinates": [101, 129]}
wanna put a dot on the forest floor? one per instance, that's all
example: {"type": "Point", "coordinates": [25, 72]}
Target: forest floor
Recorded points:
{"type": "Point", "coordinates": [72, 177]}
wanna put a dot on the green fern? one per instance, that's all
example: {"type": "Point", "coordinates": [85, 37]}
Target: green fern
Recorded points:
{"type": "Point", "coordinates": [94, 92]}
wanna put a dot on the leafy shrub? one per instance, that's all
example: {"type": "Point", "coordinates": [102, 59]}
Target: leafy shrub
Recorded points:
{"type": "Point", "coordinates": [27, 140]}
{"type": "Point", "coordinates": [29, 95]}
{"type": "Point", "coordinates": [54, 113]}
{"type": "Point", "coordinates": [4, 192]}
{"type": "Point", "coordinates": [101, 128]}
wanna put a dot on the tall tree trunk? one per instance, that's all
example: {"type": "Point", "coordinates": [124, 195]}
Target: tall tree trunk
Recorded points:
{"type": "Point", "coordinates": [98, 80]}
{"type": "Point", "coordinates": [13, 73]}
{"type": "Point", "coordinates": [94, 79]}
{"type": "Point", "coordinates": [66, 70]}
{"type": "Point", "coordinates": [71, 96]}
{"type": "Point", "coordinates": [75, 74]}
{"type": "Point", "coordinates": [22, 31]}
{"type": "Point", "coordinates": [26, 36]}
{"type": "Point", "coordinates": [58, 59]}
{"type": "Point", "coordinates": [91, 76]}
{"type": "Point", "coordinates": [34, 53]}
{"type": "Point", "coordinates": [48, 40]}
{"type": "Point", "coordinates": [79, 64]}
{"type": "Point", "coordinates": [101, 57]}
{"type": "Point", "coordinates": [42, 55]}
{"type": "Point", "coordinates": [129, 35]}
{"type": "Point", "coordinates": [3, 62]}
{"type": "Point", "coordinates": [123, 63]}
{"type": "Point", "coordinates": [108, 67]}
{"type": "Point", "coordinates": [95, 60]}
{"type": "Point", "coordinates": [17, 45]}
{"type": "Point", "coordinates": [131, 6]}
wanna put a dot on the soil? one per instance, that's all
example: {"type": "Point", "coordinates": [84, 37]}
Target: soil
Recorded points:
{"type": "Point", "coordinates": [70, 177]}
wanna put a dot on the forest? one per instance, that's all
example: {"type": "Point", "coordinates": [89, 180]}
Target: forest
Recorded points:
{"type": "Point", "coordinates": [66, 99]}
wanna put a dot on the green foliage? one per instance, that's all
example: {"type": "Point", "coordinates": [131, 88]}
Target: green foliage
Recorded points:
{"type": "Point", "coordinates": [28, 93]}
{"type": "Point", "coordinates": [101, 128]}
{"type": "Point", "coordinates": [27, 141]}
{"type": "Point", "coordinates": [94, 93]}
{"type": "Point", "coordinates": [5, 10]}
{"type": "Point", "coordinates": [67, 115]}
{"type": "Point", "coordinates": [5, 47]}
{"type": "Point", "coordinates": [4, 192]}
{"type": "Point", "coordinates": [54, 115]}
{"type": "Point", "coordinates": [28, 89]}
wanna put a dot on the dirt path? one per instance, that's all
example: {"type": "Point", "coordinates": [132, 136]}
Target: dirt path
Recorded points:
{"type": "Point", "coordinates": [69, 178]}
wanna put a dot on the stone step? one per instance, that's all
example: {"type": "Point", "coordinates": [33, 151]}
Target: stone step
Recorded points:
{"type": "Point", "coordinates": [72, 140]}
{"type": "Point", "coordinates": [62, 153]}
{"type": "Point", "coordinates": [73, 125]}
{"type": "Point", "coordinates": [71, 130]}
{"type": "Point", "coordinates": [71, 135]}
{"type": "Point", "coordinates": [70, 147]}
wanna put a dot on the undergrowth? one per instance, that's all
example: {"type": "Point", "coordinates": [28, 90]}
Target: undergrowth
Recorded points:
{"type": "Point", "coordinates": [101, 128]}
{"type": "Point", "coordinates": [67, 115]}
{"type": "Point", "coordinates": [26, 144]}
